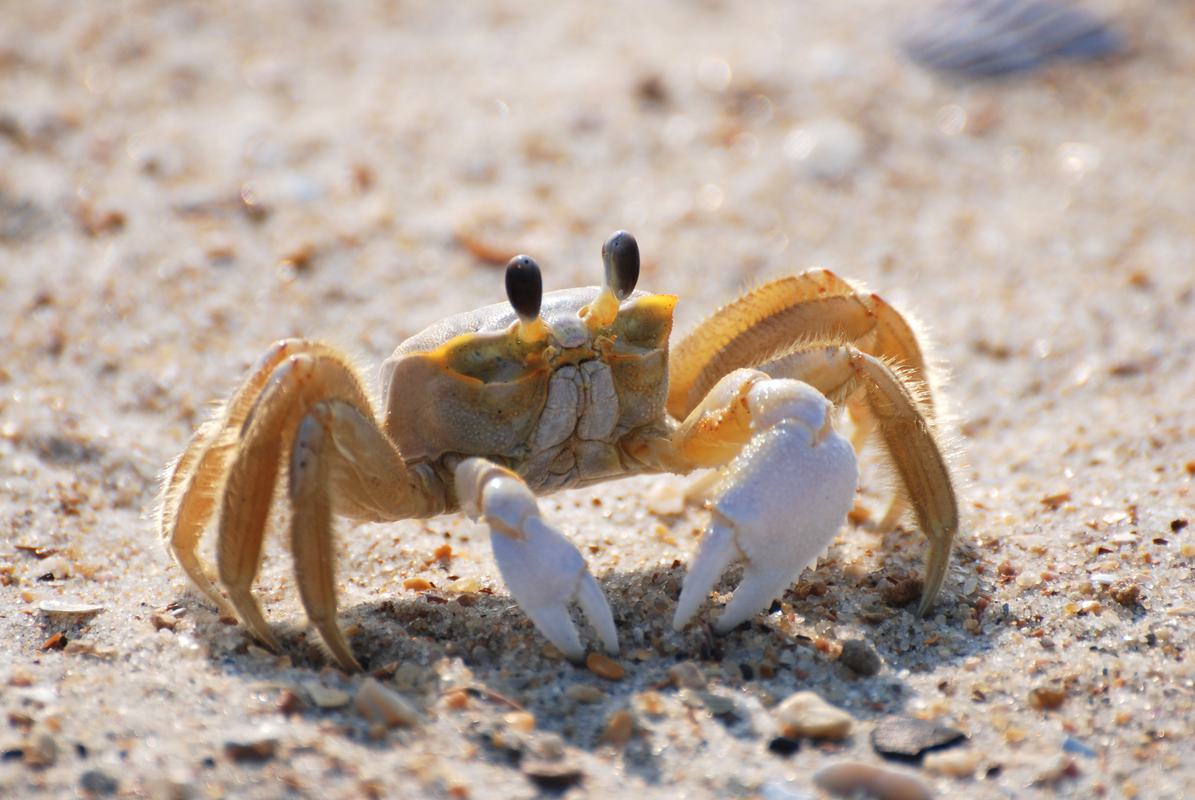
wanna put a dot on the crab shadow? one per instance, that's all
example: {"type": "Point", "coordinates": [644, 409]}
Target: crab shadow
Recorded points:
{"type": "Point", "coordinates": [482, 644]}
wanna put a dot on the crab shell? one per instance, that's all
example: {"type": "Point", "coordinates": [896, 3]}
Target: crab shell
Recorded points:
{"type": "Point", "coordinates": [553, 409]}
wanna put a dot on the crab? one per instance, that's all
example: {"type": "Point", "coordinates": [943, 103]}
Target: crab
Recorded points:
{"type": "Point", "coordinates": [485, 410]}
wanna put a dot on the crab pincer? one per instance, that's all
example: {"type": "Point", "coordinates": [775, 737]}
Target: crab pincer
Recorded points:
{"type": "Point", "coordinates": [781, 500]}
{"type": "Point", "coordinates": [543, 570]}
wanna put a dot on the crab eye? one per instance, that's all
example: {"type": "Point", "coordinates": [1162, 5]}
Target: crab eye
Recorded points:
{"type": "Point", "coordinates": [620, 255]}
{"type": "Point", "coordinates": [524, 287]}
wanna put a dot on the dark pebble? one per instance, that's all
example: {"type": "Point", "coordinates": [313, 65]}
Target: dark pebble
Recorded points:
{"type": "Point", "coordinates": [256, 750]}
{"type": "Point", "coordinates": [904, 738]}
{"type": "Point", "coordinates": [555, 776]}
{"type": "Point", "coordinates": [98, 783]}
{"type": "Point", "coordinates": [747, 671]}
{"type": "Point", "coordinates": [860, 657]}
{"type": "Point", "coordinates": [784, 746]}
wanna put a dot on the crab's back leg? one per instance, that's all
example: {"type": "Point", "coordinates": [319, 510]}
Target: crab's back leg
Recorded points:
{"type": "Point", "coordinates": [342, 462]}
{"type": "Point", "coordinates": [759, 325]}
{"type": "Point", "coordinates": [897, 408]}
{"type": "Point", "coordinates": [195, 479]}
{"type": "Point", "coordinates": [784, 315]}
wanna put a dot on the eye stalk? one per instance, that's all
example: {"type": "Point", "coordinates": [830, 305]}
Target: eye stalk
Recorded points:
{"type": "Point", "coordinates": [525, 291]}
{"type": "Point", "coordinates": [620, 255]}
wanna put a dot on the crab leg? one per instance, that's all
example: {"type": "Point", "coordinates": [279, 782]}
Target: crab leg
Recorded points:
{"type": "Point", "coordinates": [542, 569]}
{"type": "Point", "coordinates": [788, 313]}
{"type": "Point", "coordinates": [897, 410]}
{"type": "Point", "coordinates": [194, 480]}
{"type": "Point", "coordinates": [341, 462]}
{"type": "Point", "coordinates": [785, 489]}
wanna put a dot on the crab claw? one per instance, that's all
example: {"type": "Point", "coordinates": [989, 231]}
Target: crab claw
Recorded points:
{"type": "Point", "coordinates": [543, 570]}
{"type": "Point", "coordinates": [780, 503]}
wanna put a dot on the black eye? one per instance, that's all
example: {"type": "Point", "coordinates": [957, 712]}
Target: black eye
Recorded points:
{"type": "Point", "coordinates": [620, 254]}
{"type": "Point", "coordinates": [524, 287]}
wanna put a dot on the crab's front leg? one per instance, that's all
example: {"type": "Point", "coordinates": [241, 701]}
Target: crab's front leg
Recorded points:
{"type": "Point", "coordinates": [543, 570]}
{"type": "Point", "coordinates": [787, 480]}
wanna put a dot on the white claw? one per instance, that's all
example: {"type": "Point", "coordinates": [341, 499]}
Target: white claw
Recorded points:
{"type": "Point", "coordinates": [759, 587]}
{"type": "Point", "coordinates": [783, 499]}
{"type": "Point", "coordinates": [544, 573]}
{"type": "Point", "coordinates": [593, 604]}
{"type": "Point", "coordinates": [543, 570]}
{"type": "Point", "coordinates": [716, 552]}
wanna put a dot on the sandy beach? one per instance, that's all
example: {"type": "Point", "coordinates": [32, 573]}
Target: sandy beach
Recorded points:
{"type": "Point", "coordinates": [183, 183]}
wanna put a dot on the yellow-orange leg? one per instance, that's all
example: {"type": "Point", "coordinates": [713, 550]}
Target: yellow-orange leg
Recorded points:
{"type": "Point", "coordinates": [341, 462]}
{"type": "Point", "coordinates": [196, 478]}
{"type": "Point", "coordinates": [906, 431]}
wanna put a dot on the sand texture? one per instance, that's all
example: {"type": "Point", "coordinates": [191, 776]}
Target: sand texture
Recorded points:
{"type": "Point", "coordinates": [183, 183]}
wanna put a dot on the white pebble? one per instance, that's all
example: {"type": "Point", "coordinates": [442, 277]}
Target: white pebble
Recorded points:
{"type": "Point", "coordinates": [827, 149]}
{"type": "Point", "coordinates": [378, 704]}
{"type": "Point", "coordinates": [955, 763]}
{"type": "Point", "coordinates": [850, 778]}
{"type": "Point", "coordinates": [69, 608]}
{"type": "Point", "coordinates": [807, 714]}
{"type": "Point", "coordinates": [326, 696]}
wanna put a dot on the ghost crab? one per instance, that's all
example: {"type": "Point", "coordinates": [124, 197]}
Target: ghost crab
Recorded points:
{"type": "Point", "coordinates": [482, 411]}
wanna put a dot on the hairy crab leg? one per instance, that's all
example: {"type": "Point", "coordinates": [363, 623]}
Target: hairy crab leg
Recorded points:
{"type": "Point", "coordinates": [295, 385]}
{"type": "Point", "coordinates": [341, 462]}
{"type": "Point", "coordinates": [193, 482]}
{"type": "Point", "coordinates": [760, 324]}
{"type": "Point", "coordinates": [906, 430]}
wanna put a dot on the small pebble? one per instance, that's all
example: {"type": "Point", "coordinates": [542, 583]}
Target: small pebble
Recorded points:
{"type": "Point", "coordinates": [776, 790]}
{"type": "Point", "coordinates": [56, 642]}
{"type": "Point", "coordinates": [378, 704]}
{"type": "Point", "coordinates": [584, 693]}
{"type": "Point", "coordinates": [163, 621]}
{"type": "Point", "coordinates": [650, 703]}
{"type": "Point", "coordinates": [807, 714]}
{"type": "Point", "coordinates": [686, 675]}
{"type": "Point", "coordinates": [257, 747]}
{"type": "Point", "coordinates": [41, 750]}
{"type": "Point", "coordinates": [55, 566]}
{"type": "Point", "coordinates": [860, 657]}
{"type": "Point", "coordinates": [521, 721]}
{"type": "Point", "coordinates": [604, 667]}
{"type": "Point", "coordinates": [69, 608]}
{"type": "Point", "coordinates": [289, 703]}
{"type": "Point", "coordinates": [553, 776]}
{"type": "Point", "coordinates": [1126, 593]}
{"type": "Point", "coordinates": [718, 705]}
{"type": "Point", "coordinates": [784, 746]}
{"type": "Point", "coordinates": [955, 763]}
{"type": "Point", "coordinates": [1047, 698]}
{"type": "Point", "coordinates": [1073, 745]}
{"type": "Point", "coordinates": [1056, 769]}
{"type": "Point", "coordinates": [825, 149]}
{"type": "Point", "coordinates": [98, 783]}
{"type": "Point", "coordinates": [326, 696]}
{"type": "Point", "coordinates": [619, 728]}
{"type": "Point", "coordinates": [908, 738]}
{"type": "Point", "coordinates": [851, 778]}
